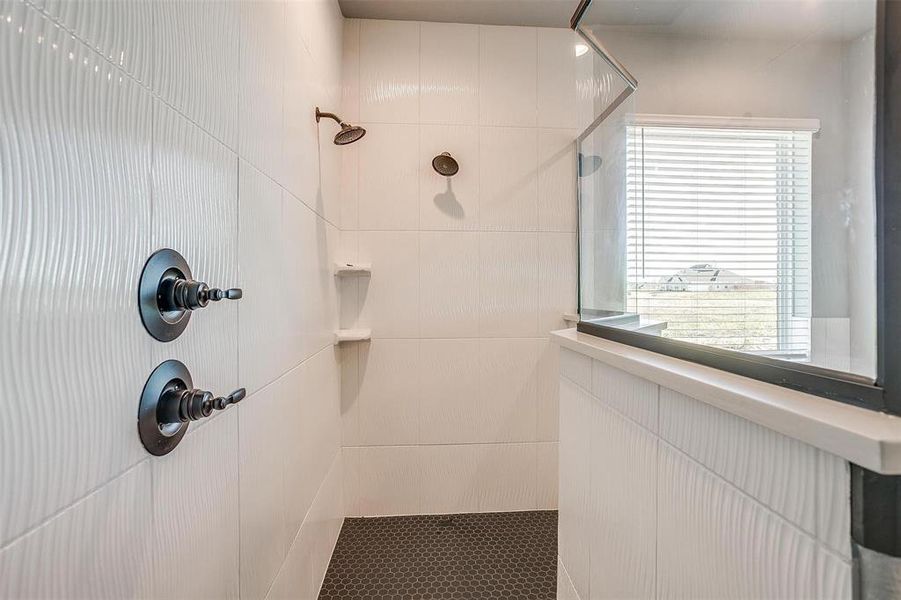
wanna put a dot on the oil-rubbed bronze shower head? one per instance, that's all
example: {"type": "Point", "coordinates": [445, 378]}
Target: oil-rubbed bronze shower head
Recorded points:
{"type": "Point", "coordinates": [348, 134]}
{"type": "Point", "coordinates": [445, 164]}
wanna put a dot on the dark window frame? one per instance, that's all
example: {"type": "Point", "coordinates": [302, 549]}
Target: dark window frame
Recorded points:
{"type": "Point", "coordinates": [883, 394]}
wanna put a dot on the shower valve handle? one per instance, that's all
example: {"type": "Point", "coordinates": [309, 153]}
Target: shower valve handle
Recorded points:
{"type": "Point", "coordinates": [187, 294]}
{"type": "Point", "coordinates": [181, 405]}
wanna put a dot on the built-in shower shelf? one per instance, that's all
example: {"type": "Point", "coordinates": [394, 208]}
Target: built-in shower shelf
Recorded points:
{"type": "Point", "coordinates": [571, 318]}
{"type": "Point", "coordinates": [352, 335]}
{"type": "Point", "coordinates": [353, 269]}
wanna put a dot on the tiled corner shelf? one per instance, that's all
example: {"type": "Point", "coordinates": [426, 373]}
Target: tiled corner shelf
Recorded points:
{"type": "Point", "coordinates": [353, 269]}
{"type": "Point", "coordinates": [352, 335]}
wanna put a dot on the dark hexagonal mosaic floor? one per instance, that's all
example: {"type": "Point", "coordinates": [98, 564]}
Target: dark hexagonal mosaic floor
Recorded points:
{"type": "Point", "coordinates": [437, 557]}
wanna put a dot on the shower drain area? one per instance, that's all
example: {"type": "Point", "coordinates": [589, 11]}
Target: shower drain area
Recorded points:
{"type": "Point", "coordinates": [438, 557]}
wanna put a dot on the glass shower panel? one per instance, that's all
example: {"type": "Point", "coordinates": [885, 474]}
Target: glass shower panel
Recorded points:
{"type": "Point", "coordinates": [728, 200]}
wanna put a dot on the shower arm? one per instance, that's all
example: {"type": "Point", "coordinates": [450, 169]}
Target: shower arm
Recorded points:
{"type": "Point", "coordinates": [333, 116]}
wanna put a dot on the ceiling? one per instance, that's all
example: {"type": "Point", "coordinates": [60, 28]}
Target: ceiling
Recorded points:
{"type": "Point", "coordinates": [537, 13]}
{"type": "Point", "coordinates": [742, 19]}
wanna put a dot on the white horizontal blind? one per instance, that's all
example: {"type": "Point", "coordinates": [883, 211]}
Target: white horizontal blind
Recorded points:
{"type": "Point", "coordinates": [719, 235]}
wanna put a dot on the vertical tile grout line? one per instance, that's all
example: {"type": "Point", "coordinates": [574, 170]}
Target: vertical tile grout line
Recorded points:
{"type": "Point", "coordinates": [238, 311]}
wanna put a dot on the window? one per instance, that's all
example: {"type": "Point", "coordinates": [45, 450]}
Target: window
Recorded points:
{"type": "Point", "coordinates": [718, 233]}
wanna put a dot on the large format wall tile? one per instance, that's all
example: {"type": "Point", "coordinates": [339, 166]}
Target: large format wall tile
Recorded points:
{"type": "Point", "coordinates": [389, 71]}
{"type": "Point", "coordinates": [508, 76]}
{"type": "Point", "coordinates": [74, 220]}
{"type": "Point", "coordinates": [557, 180]}
{"type": "Point", "coordinates": [716, 542]}
{"type": "Point", "coordinates": [776, 470]}
{"type": "Point", "coordinates": [508, 179]}
{"type": "Point", "coordinates": [389, 392]}
{"type": "Point", "coordinates": [195, 514]}
{"type": "Point", "coordinates": [559, 102]}
{"type": "Point", "coordinates": [622, 509]}
{"type": "Point", "coordinates": [195, 181]}
{"type": "Point", "coordinates": [450, 405]}
{"type": "Point", "coordinates": [450, 73]}
{"type": "Point", "coordinates": [390, 299]}
{"type": "Point", "coordinates": [261, 252]}
{"type": "Point", "coordinates": [390, 480]}
{"type": "Point", "coordinates": [449, 284]}
{"type": "Point", "coordinates": [558, 279]}
{"type": "Point", "coordinates": [576, 410]}
{"type": "Point", "coordinates": [508, 285]}
{"type": "Point", "coordinates": [99, 548]}
{"type": "Point", "coordinates": [508, 390]}
{"type": "Point", "coordinates": [195, 62]}
{"type": "Point", "coordinates": [117, 30]}
{"type": "Point", "coordinates": [632, 396]}
{"type": "Point", "coordinates": [833, 499]}
{"type": "Point", "coordinates": [261, 76]}
{"type": "Point", "coordinates": [389, 177]}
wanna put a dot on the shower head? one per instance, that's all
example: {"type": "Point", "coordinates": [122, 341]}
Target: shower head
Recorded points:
{"type": "Point", "coordinates": [445, 164]}
{"type": "Point", "coordinates": [348, 134]}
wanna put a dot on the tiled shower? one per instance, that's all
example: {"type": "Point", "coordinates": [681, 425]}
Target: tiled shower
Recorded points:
{"type": "Point", "coordinates": [241, 357]}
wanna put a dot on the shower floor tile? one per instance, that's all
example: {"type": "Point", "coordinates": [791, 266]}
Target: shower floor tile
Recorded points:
{"type": "Point", "coordinates": [437, 557]}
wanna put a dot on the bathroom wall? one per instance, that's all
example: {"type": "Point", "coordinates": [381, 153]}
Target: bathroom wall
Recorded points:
{"type": "Point", "coordinates": [664, 496]}
{"type": "Point", "coordinates": [452, 406]}
{"type": "Point", "coordinates": [126, 127]}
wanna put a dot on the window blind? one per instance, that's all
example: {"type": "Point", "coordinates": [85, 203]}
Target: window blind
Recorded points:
{"type": "Point", "coordinates": [719, 235]}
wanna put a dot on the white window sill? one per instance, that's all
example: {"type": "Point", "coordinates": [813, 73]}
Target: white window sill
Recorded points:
{"type": "Point", "coordinates": [864, 437]}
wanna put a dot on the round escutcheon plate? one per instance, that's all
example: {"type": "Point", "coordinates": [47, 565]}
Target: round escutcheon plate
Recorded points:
{"type": "Point", "coordinates": [157, 438]}
{"type": "Point", "coordinates": [164, 325]}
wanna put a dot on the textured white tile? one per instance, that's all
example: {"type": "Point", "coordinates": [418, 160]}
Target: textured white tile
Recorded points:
{"type": "Point", "coordinates": [390, 480]}
{"type": "Point", "coordinates": [262, 345]}
{"type": "Point", "coordinates": [548, 392]}
{"type": "Point", "coordinates": [389, 71]}
{"type": "Point", "coordinates": [117, 30]}
{"type": "Point", "coordinates": [389, 177]}
{"type": "Point", "coordinates": [351, 478]}
{"type": "Point", "coordinates": [508, 284]}
{"type": "Point", "coordinates": [313, 431]}
{"type": "Point", "coordinates": [390, 298]}
{"type": "Point", "coordinates": [196, 62]}
{"type": "Point", "coordinates": [75, 213]}
{"type": "Point", "coordinates": [834, 577]}
{"type": "Point", "coordinates": [195, 513]}
{"type": "Point", "coordinates": [264, 530]}
{"type": "Point", "coordinates": [304, 568]}
{"type": "Point", "coordinates": [565, 589]}
{"type": "Point", "coordinates": [778, 471]}
{"type": "Point", "coordinates": [506, 477]}
{"type": "Point", "coordinates": [449, 284]}
{"type": "Point", "coordinates": [558, 279]}
{"type": "Point", "coordinates": [576, 367]}
{"type": "Point", "coordinates": [632, 396]}
{"type": "Point", "coordinates": [304, 142]}
{"type": "Point", "coordinates": [389, 392]}
{"type": "Point", "coordinates": [576, 409]}
{"type": "Point", "coordinates": [449, 202]}
{"type": "Point", "coordinates": [309, 315]}
{"type": "Point", "coordinates": [546, 475]}
{"type": "Point", "coordinates": [557, 202]}
{"type": "Point", "coordinates": [450, 73]}
{"type": "Point", "coordinates": [261, 92]}
{"type": "Point", "coordinates": [716, 542]}
{"type": "Point", "coordinates": [450, 478]}
{"type": "Point", "coordinates": [622, 509]}
{"type": "Point", "coordinates": [833, 503]}
{"type": "Point", "coordinates": [508, 179]}
{"type": "Point", "coordinates": [508, 76]}
{"type": "Point", "coordinates": [350, 394]}
{"type": "Point", "coordinates": [450, 404]}
{"type": "Point", "coordinates": [508, 390]}
{"type": "Point", "coordinates": [558, 94]}
{"type": "Point", "coordinates": [350, 187]}
{"type": "Point", "coordinates": [102, 547]}
{"type": "Point", "coordinates": [195, 180]}
{"type": "Point", "coordinates": [350, 71]}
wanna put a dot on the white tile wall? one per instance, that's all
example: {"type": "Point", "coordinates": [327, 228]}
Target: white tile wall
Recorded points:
{"type": "Point", "coordinates": [697, 504]}
{"type": "Point", "coordinates": [142, 125]}
{"type": "Point", "coordinates": [470, 273]}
